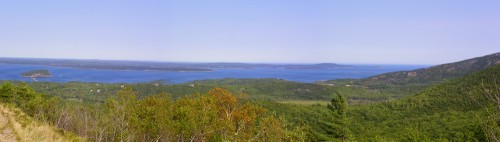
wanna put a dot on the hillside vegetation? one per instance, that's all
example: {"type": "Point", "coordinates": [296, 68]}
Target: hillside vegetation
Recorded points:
{"type": "Point", "coordinates": [404, 83]}
{"type": "Point", "coordinates": [357, 91]}
{"type": "Point", "coordinates": [460, 109]}
{"type": "Point", "coordinates": [265, 89]}
{"type": "Point", "coordinates": [440, 72]}
{"type": "Point", "coordinates": [217, 115]}
{"type": "Point", "coordinates": [16, 126]}
{"type": "Point", "coordinates": [457, 110]}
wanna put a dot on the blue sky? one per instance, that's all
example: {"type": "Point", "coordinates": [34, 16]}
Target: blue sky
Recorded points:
{"type": "Point", "coordinates": [264, 31]}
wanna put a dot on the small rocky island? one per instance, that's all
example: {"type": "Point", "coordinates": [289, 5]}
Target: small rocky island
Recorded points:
{"type": "Point", "coordinates": [37, 74]}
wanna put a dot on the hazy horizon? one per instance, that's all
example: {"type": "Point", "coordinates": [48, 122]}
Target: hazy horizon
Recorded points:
{"type": "Point", "coordinates": [262, 31]}
{"type": "Point", "coordinates": [201, 62]}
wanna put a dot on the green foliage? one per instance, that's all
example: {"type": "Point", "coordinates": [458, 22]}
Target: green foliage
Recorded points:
{"type": "Point", "coordinates": [7, 92]}
{"type": "Point", "coordinates": [455, 110]}
{"type": "Point", "coordinates": [405, 83]}
{"type": "Point", "coordinates": [438, 73]}
{"type": "Point", "coordinates": [340, 122]}
{"type": "Point", "coordinates": [267, 89]}
{"type": "Point", "coordinates": [22, 96]}
{"type": "Point", "coordinates": [310, 118]}
{"type": "Point", "coordinates": [215, 116]}
{"type": "Point", "coordinates": [452, 111]}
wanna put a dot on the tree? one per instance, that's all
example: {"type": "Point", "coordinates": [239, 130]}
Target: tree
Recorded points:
{"type": "Point", "coordinates": [338, 106]}
{"type": "Point", "coordinates": [491, 91]}
{"type": "Point", "coordinates": [7, 92]}
{"type": "Point", "coordinates": [121, 111]}
{"type": "Point", "coordinates": [153, 113]}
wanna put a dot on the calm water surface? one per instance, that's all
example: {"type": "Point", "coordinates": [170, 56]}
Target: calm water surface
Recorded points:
{"type": "Point", "coordinates": [63, 74]}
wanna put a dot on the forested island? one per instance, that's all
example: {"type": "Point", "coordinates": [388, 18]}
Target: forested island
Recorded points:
{"type": "Point", "coordinates": [37, 74]}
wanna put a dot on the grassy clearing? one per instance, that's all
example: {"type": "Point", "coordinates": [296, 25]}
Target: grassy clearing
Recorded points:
{"type": "Point", "coordinates": [304, 102]}
{"type": "Point", "coordinates": [26, 130]}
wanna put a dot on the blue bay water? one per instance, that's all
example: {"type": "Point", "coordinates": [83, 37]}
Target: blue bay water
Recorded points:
{"type": "Point", "coordinates": [63, 74]}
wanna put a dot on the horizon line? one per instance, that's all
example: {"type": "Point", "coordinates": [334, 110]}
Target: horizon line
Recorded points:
{"type": "Point", "coordinates": [220, 62]}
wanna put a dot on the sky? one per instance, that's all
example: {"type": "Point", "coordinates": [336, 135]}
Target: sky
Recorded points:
{"type": "Point", "coordinates": [256, 31]}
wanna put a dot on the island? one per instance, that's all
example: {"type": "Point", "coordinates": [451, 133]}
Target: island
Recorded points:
{"type": "Point", "coordinates": [37, 74]}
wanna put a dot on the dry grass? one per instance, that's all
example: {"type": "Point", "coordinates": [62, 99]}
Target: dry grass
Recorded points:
{"type": "Point", "coordinates": [28, 130]}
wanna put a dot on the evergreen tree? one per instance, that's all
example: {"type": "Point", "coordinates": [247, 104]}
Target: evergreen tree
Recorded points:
{"type": "Point", "coordinates": [338, 106]}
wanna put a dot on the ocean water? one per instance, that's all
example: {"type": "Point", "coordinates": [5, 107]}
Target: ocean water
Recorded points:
{"type": "Point", "coordinates": [64, 74]}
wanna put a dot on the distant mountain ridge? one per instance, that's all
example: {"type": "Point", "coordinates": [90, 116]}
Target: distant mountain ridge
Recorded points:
{"type": "Point", "coordinates": [440, 72]}
{"type": "Point", "coordinates": [405, 83]}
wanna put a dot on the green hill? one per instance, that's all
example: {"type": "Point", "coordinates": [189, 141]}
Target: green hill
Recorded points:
{"type": "Point", "coordinates": [440, 72]}
{"type": "Point", "coordinates": [404, 83]}
{"type": "Point", "coordinates": [456, 110]}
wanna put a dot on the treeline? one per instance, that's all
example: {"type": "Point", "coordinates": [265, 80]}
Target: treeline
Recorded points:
{"type": "Point", "coordinates": [262, 89]}
{"type": "Point", "coordinates": [214, 116]}
{"type": "Point", "coordinates": [272, 89]}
